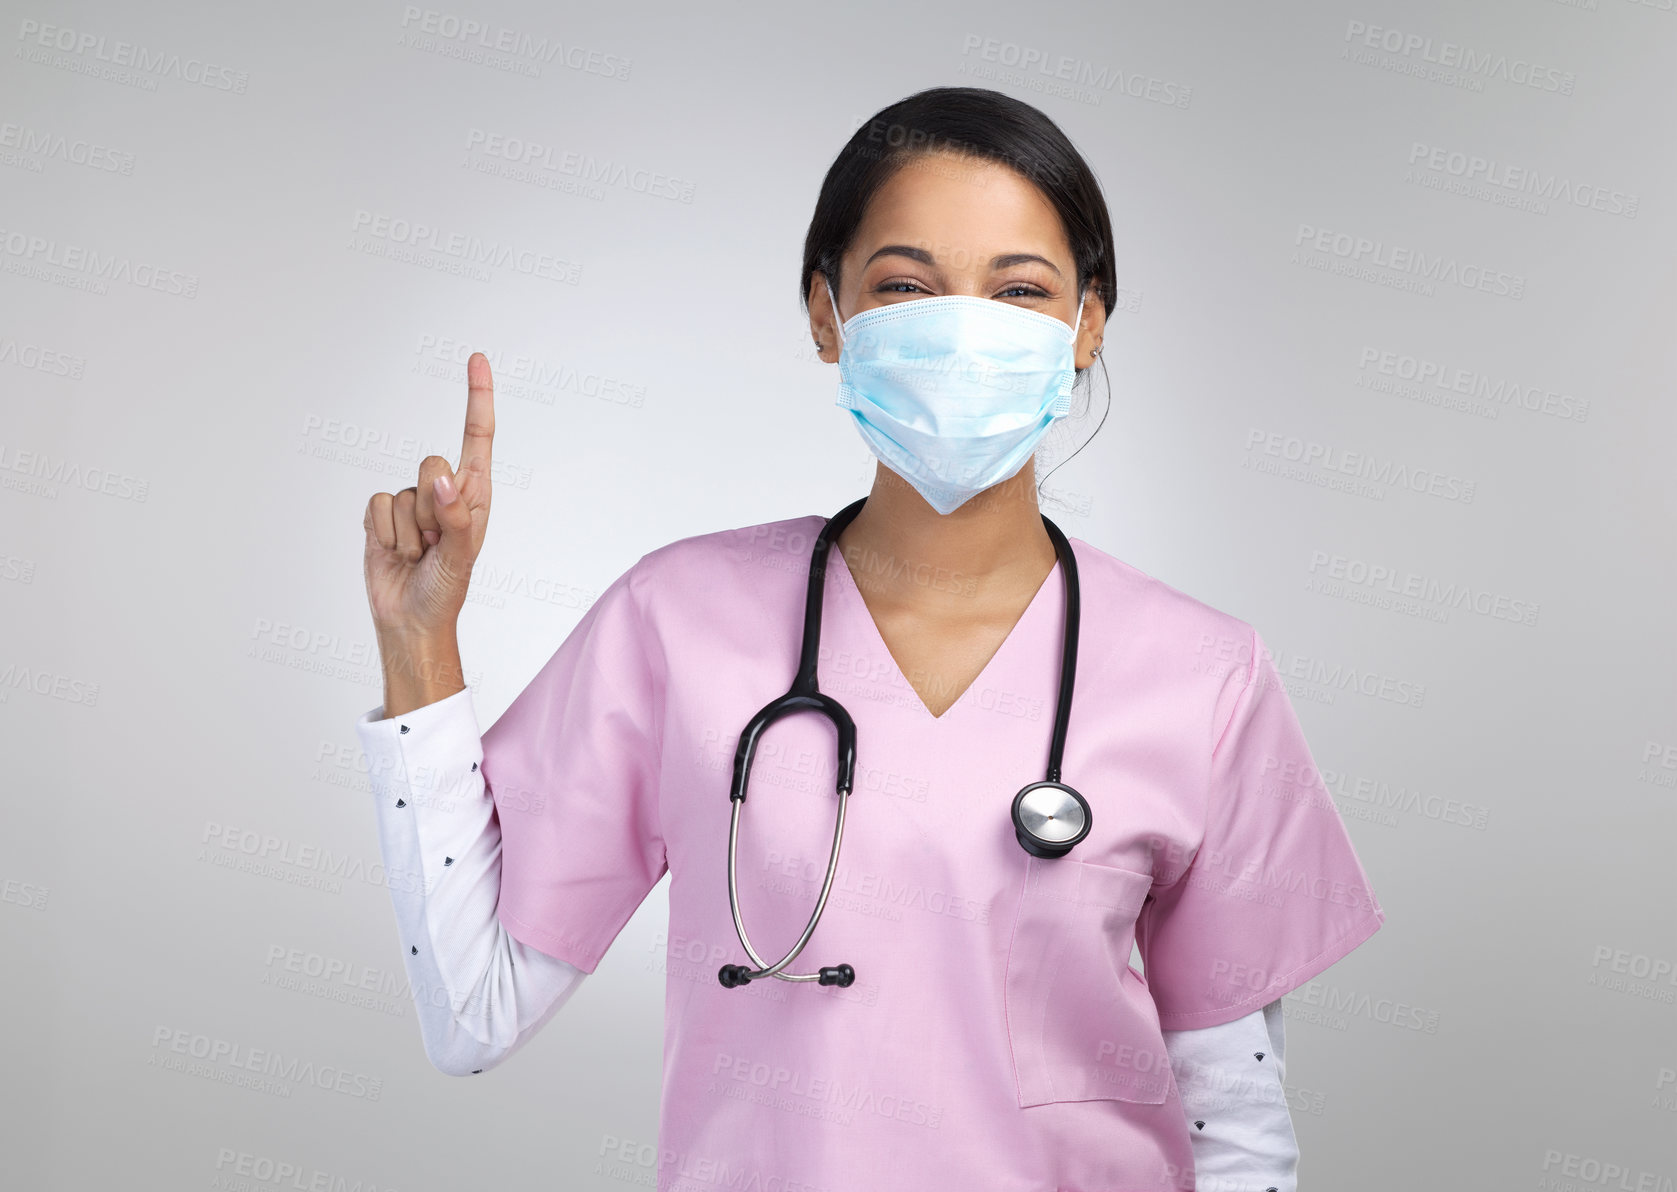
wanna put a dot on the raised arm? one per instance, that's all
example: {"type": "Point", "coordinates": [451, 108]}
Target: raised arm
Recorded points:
{"type": "Point", "coordinates": [479, 993]}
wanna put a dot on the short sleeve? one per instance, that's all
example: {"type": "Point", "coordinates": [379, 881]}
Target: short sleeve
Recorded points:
{"type": "Point", "coordinates": [573, 766]}
{"type": "Point", "coordinates": [1275, 893]}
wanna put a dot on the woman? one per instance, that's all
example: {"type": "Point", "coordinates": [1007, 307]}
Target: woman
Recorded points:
{"type": "Point", "coordinates": [988, 1030]}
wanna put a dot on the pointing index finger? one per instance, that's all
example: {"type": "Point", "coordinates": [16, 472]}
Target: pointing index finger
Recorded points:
{"type": "Point", "coordinates": [480, 416]}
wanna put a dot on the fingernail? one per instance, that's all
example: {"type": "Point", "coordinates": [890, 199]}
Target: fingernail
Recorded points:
{"type": "Point", "coordinates": [443, 488]}
{"type": "Point", "coordinates": [431, 537]}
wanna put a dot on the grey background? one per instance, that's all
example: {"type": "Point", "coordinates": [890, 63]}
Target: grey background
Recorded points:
{"type": "Point", "coordinates": [185, 464]}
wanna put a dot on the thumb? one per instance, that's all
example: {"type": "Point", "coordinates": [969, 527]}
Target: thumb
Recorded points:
{"type": "Point", "coordinates": [456, 522]}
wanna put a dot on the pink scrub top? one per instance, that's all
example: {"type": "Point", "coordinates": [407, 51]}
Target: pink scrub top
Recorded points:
{"type": "Point", "coordinates": [997, 1035]}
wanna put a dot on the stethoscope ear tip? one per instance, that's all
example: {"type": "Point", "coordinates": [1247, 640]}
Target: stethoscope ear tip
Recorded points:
{"type": "Point", "coordinates": [839, 974]}
{"type": "Point", "coordinates": [734, 975]}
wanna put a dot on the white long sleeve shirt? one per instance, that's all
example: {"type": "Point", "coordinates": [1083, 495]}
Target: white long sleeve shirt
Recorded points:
{"type": "Point", "coordinates": [480, 994]}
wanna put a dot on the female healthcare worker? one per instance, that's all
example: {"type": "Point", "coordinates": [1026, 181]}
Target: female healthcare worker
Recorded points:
{"type": "Point", "coordinates": [1010, 757]}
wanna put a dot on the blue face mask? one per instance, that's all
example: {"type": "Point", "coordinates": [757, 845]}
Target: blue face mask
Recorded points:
{"type": "Point", "coordinates": [953, 393]}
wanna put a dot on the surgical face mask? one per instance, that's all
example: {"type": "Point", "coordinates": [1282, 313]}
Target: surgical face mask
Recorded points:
{"type": "Point", "coordinates": [953, 393]}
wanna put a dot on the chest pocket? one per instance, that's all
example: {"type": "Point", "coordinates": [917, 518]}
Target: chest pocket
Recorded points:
{"type": "Point", "coordinates": [1081, 1022]}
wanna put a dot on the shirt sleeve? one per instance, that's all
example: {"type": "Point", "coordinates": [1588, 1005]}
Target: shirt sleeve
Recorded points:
{"type": "Point", "coordinates": [1275, 893]}
{"type": "Point", "coordinates": [573, 767]}
{"type": "Point", "coordinates": [1230, 1081]}
{"type": "Point", "coordinates": [479, 994]}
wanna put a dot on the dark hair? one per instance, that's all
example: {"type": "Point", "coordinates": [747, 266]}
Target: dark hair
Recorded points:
{"type": "Point", "coordinates": [972, 121]}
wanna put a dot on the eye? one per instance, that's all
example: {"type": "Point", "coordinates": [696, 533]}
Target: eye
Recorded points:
{"type": "Point", "coordinates": [903, 285]}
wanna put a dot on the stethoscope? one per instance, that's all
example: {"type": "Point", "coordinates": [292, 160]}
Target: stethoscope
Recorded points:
{"type": "Point", "coordinates": [1049, 817]}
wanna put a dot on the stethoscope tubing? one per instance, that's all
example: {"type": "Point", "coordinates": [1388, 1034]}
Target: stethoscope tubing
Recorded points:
{"type": "Point", "coordinates": [774, 970]}
{"type": "Point", "coordinates": [1068, 652]}
{"type": "Point", "coordinates": [805, 696]}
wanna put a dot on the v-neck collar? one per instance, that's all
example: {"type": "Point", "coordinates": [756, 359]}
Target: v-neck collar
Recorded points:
{"type": "Point", "coordinates": [853, 591]}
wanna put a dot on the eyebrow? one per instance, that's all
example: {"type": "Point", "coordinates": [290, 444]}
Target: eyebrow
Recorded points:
{"type": "Point", "coordinates": [1004, 261]}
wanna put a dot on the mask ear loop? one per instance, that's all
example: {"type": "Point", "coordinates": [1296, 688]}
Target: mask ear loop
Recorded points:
{"type": "Point", "coordinates": [834, 305]}
{"type": "Point", "coordinates": [1062, 400]}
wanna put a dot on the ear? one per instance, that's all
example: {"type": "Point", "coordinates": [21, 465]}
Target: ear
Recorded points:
{"type": "Point", "coordinates": [1092, 331]}
{"type": "Point", "coordinates": [823, 329]}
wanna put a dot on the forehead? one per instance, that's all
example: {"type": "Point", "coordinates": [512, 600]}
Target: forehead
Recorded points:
{"type": "Point", "coordinates": [963, 210]}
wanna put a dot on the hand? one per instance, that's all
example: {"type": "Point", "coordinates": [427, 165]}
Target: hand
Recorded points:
{"type": "Point", "coordinates": [422, 542]}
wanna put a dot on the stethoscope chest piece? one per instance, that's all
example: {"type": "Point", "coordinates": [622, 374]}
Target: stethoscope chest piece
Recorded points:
{"type": "Point", "coordinates": [1049, 818]}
